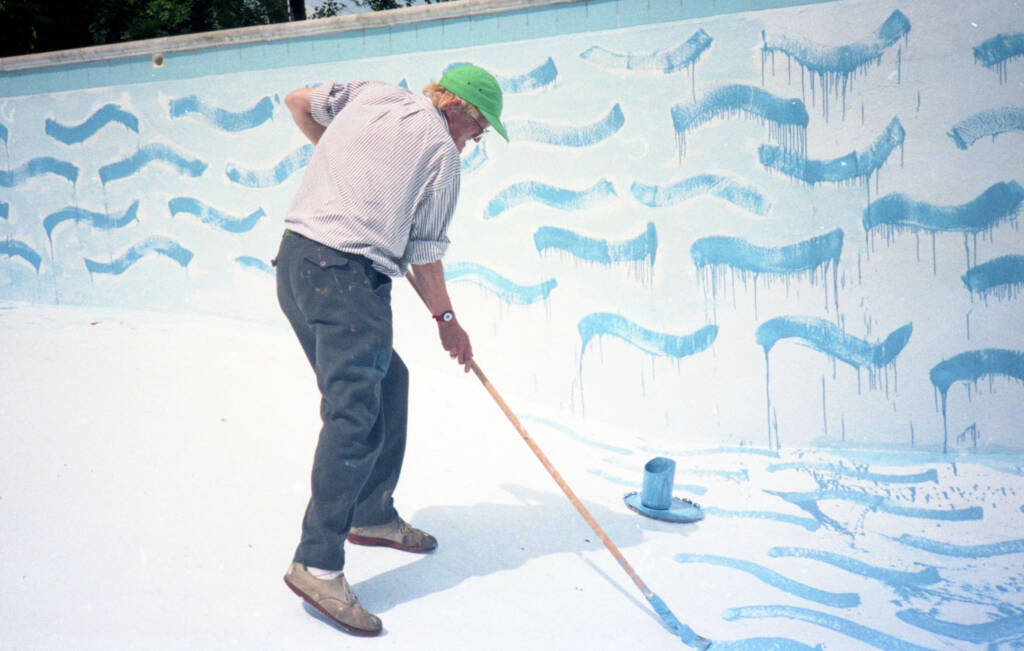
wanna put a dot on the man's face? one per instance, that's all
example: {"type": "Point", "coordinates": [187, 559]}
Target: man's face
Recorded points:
{"type": "Point", "coordinates": [463, 126]}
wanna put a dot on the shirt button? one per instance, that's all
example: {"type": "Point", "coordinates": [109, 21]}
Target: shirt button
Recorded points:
{"type": "Point", "coordinates": [323, 263]}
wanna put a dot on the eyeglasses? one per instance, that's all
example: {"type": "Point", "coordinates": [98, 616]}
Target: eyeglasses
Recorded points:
{"type": "Point", "coordinates": [483, 128]}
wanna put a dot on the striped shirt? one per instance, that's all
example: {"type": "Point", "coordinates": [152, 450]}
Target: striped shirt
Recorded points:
{"type": "Point", "coordinates": [384, 178]}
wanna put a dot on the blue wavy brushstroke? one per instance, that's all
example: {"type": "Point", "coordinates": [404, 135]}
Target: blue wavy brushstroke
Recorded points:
{"type": "Point", "coordinates": [809, 503]}
{"type": "Point", "coordinates": [558, 427]}
{"type": "Point", "coordinates": [856, 473]}
{"type": "Point", "coordinates": [97, 220]}
{"type": "Point", "coordinates": [986, 632]}
{"type": "Point", "coordinates": [1001, 201]}
{"type": "Point", "coordinates": [1003, 272]}
{"type": "Point", "coordinates": [507, 290]}
{"type": "Point", "coordinates": [213, 217]}
{"type": "Point", "coordinates": [745, 196]}
{"type": "Point", "coordinates": [38, 167]}
{"type": "Point", "coordinates": [601, 324]}
{"type": "Point", "coordinates": [540, 77]}
{"type": "Point", "coordinates": [5, 210]}
{"type": "Point", "coordinates": [963, 551]}
{"type": "Point", "coordinates": [642, 247]}
{"type": "Point", "coordinates": [549, 195]}
{"type": "Point", "coordinates": [568, 136]}
{"type": "Point", "coordinates": [148, 154]}
{"type": "Point", "coordinates": [895, 578]}
{"type": "Point", "coordinates": [846, 627]}
{"type": "Point", "coordinates": [988, 123]}
{"type": "Point", "coordinates": [826, 337]}
{"type": "Point", "coordinates": [17, 248]}
{"type": "Point", "coordinates": [807, 523]}
{"type": "Point", "coordinates": [740, 254]}
{"type": "Point", "coordinates": [999, 49]}
{"type": "Point", "coordinates": [250, 118]}
{"type": "Point", "coordinates": [254, 263]}
{"type": "Point", "coordinates": [776, 580]}
{"type": "Point", "coordinates": [688, 488]}
{"type": "Point", "coordinates": [764, 644]}
{"type": "Point", "coordinates": [667, 60]}
{"type": "Point", "coordinates": [837, 170]}
{"type": "Point", "coordinates": [970, 366]}
{"type": "Point", "coordinates": [275, 175]}
{"type": "Point", "coordinates": [787, 118]}
{"type": "Point", "coordinates": [155, 244]}
{"type": "Point", "coordinates": [108, 113]}
{"type": "Point", "coordinates": [476, 158]}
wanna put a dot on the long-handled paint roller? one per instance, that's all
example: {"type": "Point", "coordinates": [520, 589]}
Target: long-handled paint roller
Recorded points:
{"type": "Point", "coordinates": [671, 621]}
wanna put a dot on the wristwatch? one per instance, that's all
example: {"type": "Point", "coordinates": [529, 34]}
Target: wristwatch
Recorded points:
{"type": "Point", "coordinates": [444, 317]}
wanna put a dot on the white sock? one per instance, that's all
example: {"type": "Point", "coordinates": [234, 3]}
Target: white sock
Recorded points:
{"type": "Point", "coordinates": [324, 575]}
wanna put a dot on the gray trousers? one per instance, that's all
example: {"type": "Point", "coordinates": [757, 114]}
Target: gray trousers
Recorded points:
{"type": "Point", "coordinates": [340, 309]}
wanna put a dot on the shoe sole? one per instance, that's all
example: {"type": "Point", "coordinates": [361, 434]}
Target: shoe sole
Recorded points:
{"type": "Point", "coordinates": [383, 542]}
{"type": "Point", "coordinates": [348, 627]}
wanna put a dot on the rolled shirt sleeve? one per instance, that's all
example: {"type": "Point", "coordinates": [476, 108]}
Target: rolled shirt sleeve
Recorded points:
{"type": "Point", "coordinates": [428, 238]}
{"type": "Point", "coordinates": [328, 99]}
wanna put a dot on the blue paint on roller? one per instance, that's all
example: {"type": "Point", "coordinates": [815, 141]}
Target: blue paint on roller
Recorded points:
{"type": "Point", "coordinates": [637, 249]}
{"type": "Point", "coordinates": [230, 121]}
{"type": "Point", "coordinates": [568, 136]}
{"type": "Point", "coordinates": [894, 578]}
{"type": "Point", "coordinates": [213, 217]}
{"type": "Point", "coordinates": [97, 220]}
{"type": "Point", "coordinates": [549, 195]}
{"type": "Point", "coordinates": [740, 254]}
{"type": "Point", "coordinates": [149, 154]}
{"type": "Point", "coordinates": [963, 551]}
{"type": "Point", "coordinates": [997, 630]}
{"type": "Point", "coordinates": [507, 290]}
{"type": "Point", "coordinates": [1000, 202]}
{"type": "Point", "coordinates": [684, 632]}
{"type": "Point", "coordinates": [276, 175]}
{"type": "Point", "coordinates": [745, 196]}
{"type": "Point", "coordinates": [70, 135]}
{"type": "Point", "coordinates": [155, 244]}
{"type": "Point", "coordinates": [666, 60]}
{"type": "Point", "coordinates": [38, 167]}
{"type": "Point", "coordinates": [654, 343]}
{"type": "Point", "coordinates": [987, 124]}
{"type": "Point", "coordinates": [1004, 273]}
{"type": "Point", "coordinates": [18, 249]}
{"type": "Point", "coordinates": [826, 337]}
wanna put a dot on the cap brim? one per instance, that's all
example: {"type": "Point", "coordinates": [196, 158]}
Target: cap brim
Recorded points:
{"type": "Point", "coordinates": [495, 123]}
{"type": "Point", "coordinates": [679, 510]}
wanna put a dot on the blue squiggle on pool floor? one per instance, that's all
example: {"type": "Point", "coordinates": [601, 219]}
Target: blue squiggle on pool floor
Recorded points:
{"type": "Point", "coordinates": [17, 248]}
{"type": "Point", "coordinates": [1004, 275]}
{"type": "Point", "coordinates": [764, 644]}
{"type": "Point", "coordinates": [642, 247]}
{"type": "Point", "coordinates": [997, 51]}
{"type": "Point", "coordinates": [809, 503]}
{"type": "Point", "coordinates": [826, 337]}
{"type": "Point", "coordinates": [213, 217]}
{"type": "Point", "coordinates": [986, 632]}
{"type": "Point", "coordinates": [776, 580]}
{"type": "Point", "coordinates": [540, 77]}
{"type": "Point", "coordinates": [148, 154]}
{"type": "Point", "coordinates": [963, 551]}
{"type": "Point", "coordinates": [988, 123]}
{"type": "Point", "coordinates": [38, 167]}
{"type": "Point", "coordinates": [846, 627]}
{"type": "Point", "coordinates": [568, 136]}
{"type": "Point", "coordinates": [474, 160]}
{"type": "Point", "coordinates": [667, 60]}
{"type": "Point", "coordinates": [1001, 201]}
{"type": "Point", "coordinates": [745, 196]}
{"type": "Point", "coordinates": [230, 121]}
{"type": "Point", "coordinates": [567, 431]}
{"type": "Point", "coordinates": [97, 220]}
{"type": "Point", "coordinates": [549, 195]}
{"type": "Point", "coordinates": [895, 578]}
{"type": "Point", "coordinates": [103, 116]}
{"type": "Point", "coordinates": [276, 175]}
{"type": "Point", "coordinates": [654, 343]}
{"type": "Point", "coordinates": [254, 263]}
{"type": "Point", "coordinates": [807, 523]}
{"type": "Point", "coordinates": [739, 254]}
{"type": "Point", "coordinates": [689, 488]}
{"type": "Point", "coordinates": [156, 244]}
{"type": "Point", "coordinates": [507, 290]}
{"type": "Point", "coordinates": [856, 473]}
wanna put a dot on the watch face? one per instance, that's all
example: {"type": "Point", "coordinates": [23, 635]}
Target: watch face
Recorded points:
{"type": "Point", "coordinates": [447, 316]}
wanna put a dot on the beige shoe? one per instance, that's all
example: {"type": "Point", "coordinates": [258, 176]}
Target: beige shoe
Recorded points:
{"type": "Point", "coordinates": [398, 534]}
{"type": "Point", "coordinates": [334, 599]}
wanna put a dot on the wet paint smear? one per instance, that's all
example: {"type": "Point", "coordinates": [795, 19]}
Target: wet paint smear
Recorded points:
{"type": "Point", "coordinates": [70, 135]}
{"type": "Point", "coordinates": [18, 249]}
{"type": "Point", "coordinates": [786, 118]}
{"type": "Point", "coordinates": [765, 644]}
{"type": "Point", "coordinates": [684, 632]}
{"type": "Point", "coordinates": [213, 217]}
{"type": "Point", "coordinates": [667, 60]}
{"type": "Point", "coordinates": [739, 254]}
{"type": "Point", "coordinates": [826, 337]}
{"type": "Point", "coordinates": [997, 51]}
{"type": "Point", "coordinates": [98, 220]}
{"type": "Point", "coordinates": [987, 124]}
{"type": "Point", "coordinates": [38, 167]}
{"type": "Point", "coordinates": [895, 578]}
{"type": "Point", "coordinates": [857, 473]}
{"type": "Point", "coordinates": [254, 263]}
{"type": "Point", "coordinates": [224, 120]}
{"type": "Point", "coordinates": [963, 551]}
{"type": "Point", "coordinates": [809, 524]}
{"type": "Point", "coordinates": [835, 67]}
{"type": "Point", "coordinates": [568, 136]}
{"type": "Point", "coordinates": [809, 503]}
{"type": "Point", "coordinates": [740, 194]}
{"type": "Point", "coordinates": [504, 288]}
{"type": "Point", "coordinates": [602, 324]}
{"type": "Point", "coordinates": [776, 580]}
{"type": "Point", "coordinates": [156, 244]}
{"type": "Point", "coordinates": [1002, 276]}
{"type": "Point", "coordinates": [149, 154]}
{"type": "Point", "coordinates": [1001, 201]}
{"type": "Point", "coordinates": [869, 636]}
{"type": "Point", "coordinates": [642, 247]}
{"type": "Point", "coordinates": [540, 77]}
{"type": "Point", "coordinates": [276, 175]}
{"type": "Point", "coordinates": [984, 633]}
{"type": "Point", "coordinates": [549, 195]}
{"type": "Point", "coordinates": [476, 158]}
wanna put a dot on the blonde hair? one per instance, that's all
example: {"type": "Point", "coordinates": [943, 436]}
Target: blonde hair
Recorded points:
{"type": "Point", "coordinates": [441, 98]}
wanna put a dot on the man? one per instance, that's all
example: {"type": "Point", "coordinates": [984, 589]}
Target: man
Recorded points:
{"type": "Point", "coordinates": [376, 198]}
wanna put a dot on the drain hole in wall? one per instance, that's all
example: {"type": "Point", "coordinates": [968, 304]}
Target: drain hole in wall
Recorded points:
{"type": "Point", "coordinates": [158, 61]}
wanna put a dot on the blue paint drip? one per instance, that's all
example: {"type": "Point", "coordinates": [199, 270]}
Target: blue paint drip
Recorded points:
{"type": "Point", "coordinates": [476, 158]}
{"type": "Point", "coordinates": [687, 488]}
{"type": "Point", "coordinates": [826, 337]}
{"type": "Point", "coordinates": [156, 244]}
{"type": "Point", "coordinates": [96, 219]}
{"type": "Point", "coordinates": [5, 210]}
{"type": "Point", "coordinates": [667, 60]}
{"type": "Point", "coordinates": [998, 50]}
{"type": "Point", "coordinates": [987, 632]}
{"type": "Point", "coordinates": [776, 580]}
{"type": "Point", "coordinates": [837, 170]}
{"type": "Point", "coordinates": [988, 123]}
{"type": "Point", "coordinates": [740, 254]}
{"type": "Point", "coordinates": [765, 644]}
{"type": "Point", "coordinates": [549, 195]}
{"type": "Point", "coordinates": [846, 627]}
{"type": "Point", "coordinates": [809, 503]}
{"type": "Point", "coordinates": [568, 136]}
{"type": "Point", "coordinates": [845, 59]}
{"type": "Point", "coordinates": [963, 551]}
{"type": "Point", "coordinates": [3, 133]}
{"type": "Point", "coordinates": [745, 196]}
{"type": "Point", "coordinates": [639, 248]}
{"type": "Point", "coordinates": [809, 524]}
{"type": "Point", "coordinates": [274, 176]}
{"type": "Point", "coordinates": [684, 632]}
{"type": "Point", "coordinates": [508, 291]}
{"type": "Point", "coordinates": [540, 77]}
{"type": "Point", "coordinates": [894, 578]}
{"type": "Point", "coordinates": [213, 217]}
{"type": "Point", "coordinates": [17, 248]}
{"type": "Point", "coordinates": [38, 167]}
{"type": "Point", "coordinates": [254, 263]}
{"type": "Point", "coordinates": [653, 343]}
{"type": "Point", "coordinates": [70, 135]}
{"type": "Point", "coordinates": [230, 121]}
{"type": "Point", "coordinates": [970, 366]}
{"type": "Point", "coordinates": [1001, 201]}
{"type": "Point", "coordinates": [1005, 273]}
{"type": "Point", "coordinates": [856, 473]}
{"type": "Point", "coordinates": [148, 154]}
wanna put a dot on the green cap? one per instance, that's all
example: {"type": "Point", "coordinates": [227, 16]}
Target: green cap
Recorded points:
{"type": "Point", "coordinates": [479, 88]}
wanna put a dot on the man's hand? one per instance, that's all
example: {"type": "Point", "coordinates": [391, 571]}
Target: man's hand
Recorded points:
{"type": "Point", "coordinates": [455, 340]}
{"type": "Point", "coordinates": [428, 281]}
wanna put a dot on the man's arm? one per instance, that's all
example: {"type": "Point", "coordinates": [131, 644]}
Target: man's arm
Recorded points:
{"type": "Point", "coordinates": [298, 102]}
{"type": "Point", "coordinates": [428, 280]}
